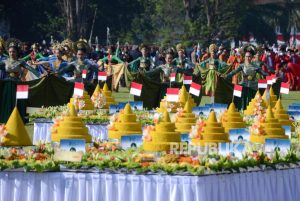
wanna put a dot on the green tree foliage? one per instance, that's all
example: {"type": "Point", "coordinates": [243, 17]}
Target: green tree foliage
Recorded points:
{"type": "Point", "coordinates": [153, 21]}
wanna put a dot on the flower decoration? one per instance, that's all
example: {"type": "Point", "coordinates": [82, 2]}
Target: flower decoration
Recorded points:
{"type": "Point", "coordinates": [196, 130]}
{"type": "Point", "coordinates": [256, 127]}
{"type": "Point", "coordinates": [114, 118]}
{"type": "Point", "coordinates": [56, 122]}
{"type": "Point", "coordinates": [146, 133]}
{"type": "Point", "coordinates": [3, 133]}
{"type": "Point", "coordinates": [180, 112]}
{"type": "Point", "coordinates": [157, 117]}
{"type": "Point", "coordinates": [99, 100]}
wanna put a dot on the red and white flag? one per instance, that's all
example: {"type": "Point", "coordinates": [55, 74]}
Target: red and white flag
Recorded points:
{"type": "Point", "coordinates": [280, 39]}
{"type": "Point", "coordinates": [187, 79]}
{"type": "Point", "coordinates": [136, 89]}
{"type": "Point", "coordinates": [285, 88]}
{"type": "Point", "coordinates": [172, 77]}
{"type": "Point", "coordinates": [78, 89]}
{"type": "Point", "coordinates": [262, 84]}
{"type": "Point", "coordinates": [237, 91]}
{"type": "Point", "coordinates": [269, 80]}
{"type": "Point", "coordinates": [172, 94]}
{"type": "Point", "coordinates": [22, 91]}
{"type": "Point", "coordinates": [102, 76]}
{"type": "Point", "coordinates": [273, 78]}
{"type": "Point", "coordinates": [84, 74]}
{"type": "Point", "coordinates": [195, 89]}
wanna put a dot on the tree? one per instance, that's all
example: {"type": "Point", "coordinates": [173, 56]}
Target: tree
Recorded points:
{"type": "Point", "coordinates": [76, 17]}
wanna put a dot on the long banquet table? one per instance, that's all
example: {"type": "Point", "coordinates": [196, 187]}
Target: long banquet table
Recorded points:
{"type": "Point", "coordinates": [271, 185]}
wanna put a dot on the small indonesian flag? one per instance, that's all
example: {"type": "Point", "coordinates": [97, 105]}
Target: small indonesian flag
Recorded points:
{"type": "Point", "coordinates": [78, 89]}
{"type": "Point", "coordinates": [172, 77]}
{"type": "Point", "coordinates": [237, 91]}
{"type": "Point", "coordinates": [187, 79]}
{"type": "Point", "coordinates": [22, 91]}
{"type": "Point", "coordinates": [84, 74]}
{"type": "Point", "coordinates": [285, 88]}
{"type": "Point", "coordinates": [195, 89]}
{"type": "Point", "coordinates": [262, 84]}
{"type": "Point", "coordinates": [269, 80]}
{"type": "Point", "coordinates": [273, 78]}
{"type": "Point", "coordinates": [172, 94]}
{"type": "Point", "coordinates": [102, 76]}
{"type": "Point", "coordinates": [136, 89]}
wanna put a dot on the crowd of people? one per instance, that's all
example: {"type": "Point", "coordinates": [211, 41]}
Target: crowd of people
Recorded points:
{"type": "Point", "coordinates": [243, 65]}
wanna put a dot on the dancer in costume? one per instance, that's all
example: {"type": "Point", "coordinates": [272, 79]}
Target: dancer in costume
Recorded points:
{"type": "Point", "coordinates": [34, 57]}
{"type": "Point", "coordinates": [81, 63]}
{"type": "Point", "coordinates": [210, 70]}
{"type": "Point", "coordinates": [55, 61]}
{"type": "Point", "coordinates": [249, 75]}
{"type": "Point", "coordinates": [109, 64]}
{"type": "Point", "coordinates": [182, 62]}
{"type": "Point", "coordinates": [143, 63]}
{"type": "Point", "coordinates": [110, 59]}
{"type": "Point", "coordinates": [166, 69]}
{"type": "Point", "coordinates": [14, 68]}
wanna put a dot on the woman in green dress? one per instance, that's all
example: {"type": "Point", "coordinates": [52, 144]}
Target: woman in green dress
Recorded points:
{"type": "Point", "coordinates": [210, 71]}
{"type": "Point", "coordinates": [182, 62]}
{"type": "Point", "coordinates": [143, 63]}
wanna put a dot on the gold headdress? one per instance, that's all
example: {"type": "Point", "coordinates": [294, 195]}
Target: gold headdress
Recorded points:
{"type": "Point", "coordinates": [83, 39]}
{"type": "Point", "coordinates": [35, 45]}
{"type": "Point", "coordinates": [81, 45]}
{"type": "Point", "coordinates": [13, 42]}
{"type": "Point", "coordinates": [213, 48]}
{"type": "Point", "coordinates": [179, 47]}
{"type": "Point", "coordinates": [57, 46]}
{"type": "Point", "coordinates": [67, 43]}
{"type": "Point", "coordinates": [2, 43]}
{"type": "Point", "coordinates": [248, 48]}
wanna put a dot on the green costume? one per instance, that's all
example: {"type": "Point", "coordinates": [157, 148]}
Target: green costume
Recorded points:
{"type": "Point", "coordinates": [183, 63]}
{"type": "Point", "coordinates": [141, 64]}
{"type": "Point", "coordinates": [249, 81]}
{"type": "Point", "coordinates": [210, 71]}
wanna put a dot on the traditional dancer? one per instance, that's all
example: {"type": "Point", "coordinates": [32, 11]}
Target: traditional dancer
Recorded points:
{"type": "Point", "coordinates": [14, 68]}
{"type": "Point", "coordinates": [210, 71]}
{"type": "Point", "coordinates": [249, 75]}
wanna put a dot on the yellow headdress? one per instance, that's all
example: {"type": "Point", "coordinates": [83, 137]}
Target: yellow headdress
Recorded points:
{"type": "Point", "coordinates": [14, 43]}
{"type": "Point", "coordinates": [2, 43]}
{"type": "Point", "coordinates": [67, 43]}
{"type": "Point", "coordinates": [212, 48]}
{"type": "Point", "coordinates": [81, 45]}
{"type": "Point", "coordinates": [35, 45]}
{"type": "Point", "coordinates": [179, 47]}
{"type": "Point", "coordinates": [57, 46]}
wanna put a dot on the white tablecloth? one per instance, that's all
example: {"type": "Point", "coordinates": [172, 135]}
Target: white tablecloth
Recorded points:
{"type": "Point", "coordinates": [42, 131]}
{"type": "Point", "coordinates": [282, 185]}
